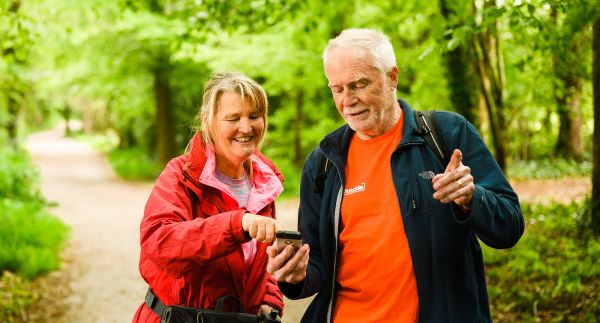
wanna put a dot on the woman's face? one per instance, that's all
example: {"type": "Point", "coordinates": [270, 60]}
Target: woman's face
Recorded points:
{"type": "Point", "coordinates": [238, 131]}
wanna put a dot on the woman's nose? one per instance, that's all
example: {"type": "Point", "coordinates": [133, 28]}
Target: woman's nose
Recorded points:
{"type": "Point", "coordinates": [245, 126]}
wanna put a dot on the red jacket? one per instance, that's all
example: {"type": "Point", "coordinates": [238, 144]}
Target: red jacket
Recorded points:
{"type": "Point", "coordinates": [191, 236]}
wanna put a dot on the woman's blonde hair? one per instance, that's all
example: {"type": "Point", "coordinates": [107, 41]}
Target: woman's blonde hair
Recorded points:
{"type": "Point", "coordinates": [229, 82]}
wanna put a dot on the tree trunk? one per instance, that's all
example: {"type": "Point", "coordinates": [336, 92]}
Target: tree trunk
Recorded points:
{"type": "Point", "coordinates": [13, 104]}
{"type": "Point", "coordinates": [459, 71]}
{"type": "Point", "coordinates": [66, 114]}
{"type": "Point", "coordinates": [164, 115]}
{"type": "Point", "coordinates": [595, 199]}
{"type": "Point", "coordinates": [12, 126]}
{"type": "Point", "coordinates": [568, 99]}
{"type": "Point", "coordinates": [492, 87]}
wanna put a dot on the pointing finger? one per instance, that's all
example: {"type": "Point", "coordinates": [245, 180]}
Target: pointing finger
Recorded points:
{"type": "Point", "coordinates": [455, 160]}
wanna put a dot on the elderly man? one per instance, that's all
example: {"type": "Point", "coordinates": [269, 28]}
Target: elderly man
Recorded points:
{"type": "Point", "coordinates": [388, 240]}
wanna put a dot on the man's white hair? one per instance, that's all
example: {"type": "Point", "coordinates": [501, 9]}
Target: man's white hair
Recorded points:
{"type": "Point", "coordinates": [376, 42]}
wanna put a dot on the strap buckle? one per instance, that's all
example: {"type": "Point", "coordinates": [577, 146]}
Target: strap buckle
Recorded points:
{"type": "Point", "coordinates": [150, 299]}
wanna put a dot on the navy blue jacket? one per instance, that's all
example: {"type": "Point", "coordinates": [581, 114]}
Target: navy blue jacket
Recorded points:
{"type": "Point", "coordinates": [443, 241]}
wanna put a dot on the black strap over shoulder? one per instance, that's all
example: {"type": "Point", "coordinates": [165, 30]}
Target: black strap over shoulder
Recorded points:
{"type": "Point", "coordinates": [324, 165]}
{"type": "Point", "coordinates": [429, 129]}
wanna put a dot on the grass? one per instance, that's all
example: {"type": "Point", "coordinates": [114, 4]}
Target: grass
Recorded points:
{"type": "Point", "coordinates": [552, 274]}
{"type": "Point", "coordinates": [548, 169]}
{"type": "Point", "coordinates": [30, 237]}
{"type": "Point", "coordinates": [134, 164]}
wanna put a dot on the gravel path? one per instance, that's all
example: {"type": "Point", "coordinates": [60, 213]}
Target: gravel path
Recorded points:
{"type": "Point", "coordinates": [99, 280]}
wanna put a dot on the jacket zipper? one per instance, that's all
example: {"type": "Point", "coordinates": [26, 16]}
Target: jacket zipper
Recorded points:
{"type": "Point", "coordinates": [220, 208]}
{"type": "Point", "coordinates": [337, 214]}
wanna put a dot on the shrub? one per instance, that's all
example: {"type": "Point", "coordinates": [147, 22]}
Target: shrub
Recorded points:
{"type": "Point", "coordinates": [134, 164]}
{"type": "Point", "coordinates": [30, 237]}
{"type": "Point", "coordinates": [18, 178]}
{"type": "Point", "coordinates": [548, 168]}
{"type": "Point", "coordinates": [15, 296]}
{"type": "Point", "coordinates": [553, 274]}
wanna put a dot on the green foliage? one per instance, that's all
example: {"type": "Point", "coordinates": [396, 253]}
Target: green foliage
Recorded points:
{"type": "Point", "coordinates": [548, 168]}
{"type": "Point", "coordinates": [31, 238]}
{"type": "Point", "coordinates": [134, 164]}
{"type": "Point", "coordinates": [103, 143]}
{"type": "Point", "coordinates": [18, 178]}
{"type": "Point", "coordinates": [291, 174]}
{"type": "Point", "coordinates": [15, 296]}
{"type": "Point", "coordinates": [553, 274]}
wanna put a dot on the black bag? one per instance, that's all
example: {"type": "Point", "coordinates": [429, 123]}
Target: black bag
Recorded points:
{"type": "Point", "coordinates": [179, 314]}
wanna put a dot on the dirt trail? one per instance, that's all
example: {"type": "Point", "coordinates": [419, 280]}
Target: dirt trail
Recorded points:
{"type": "Point", "coordinates": [99, 280]}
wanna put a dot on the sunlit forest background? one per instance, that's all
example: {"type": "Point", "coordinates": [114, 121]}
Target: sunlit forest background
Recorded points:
{"type": "Point", "coordinates": [126, 76]}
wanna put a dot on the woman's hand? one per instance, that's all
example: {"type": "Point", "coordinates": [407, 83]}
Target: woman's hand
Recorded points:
{"type": "Point", "coordinates": [264, 310]}
{"type": "Point", "coordinates": [260, 227]}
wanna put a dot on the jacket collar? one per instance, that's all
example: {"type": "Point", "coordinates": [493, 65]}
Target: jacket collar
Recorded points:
{"type": "Point", "coordinates": [266, 178]}
{"type": "Point", "coordinates": [335, 145]}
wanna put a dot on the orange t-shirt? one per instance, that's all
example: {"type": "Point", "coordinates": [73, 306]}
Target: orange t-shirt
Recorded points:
{"type": "Point", "coordinates": [375, 271]}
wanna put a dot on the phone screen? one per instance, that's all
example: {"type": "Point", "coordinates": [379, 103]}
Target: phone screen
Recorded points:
{"type": "Point", "coordinates": [286, 238]}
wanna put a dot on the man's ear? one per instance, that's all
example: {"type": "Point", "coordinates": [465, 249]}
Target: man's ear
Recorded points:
{"type": "Point", "coordinates": [392, 75]}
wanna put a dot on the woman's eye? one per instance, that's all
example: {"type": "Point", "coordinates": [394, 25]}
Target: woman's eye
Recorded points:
{"type": "Point", "coordinates": [255, 116]}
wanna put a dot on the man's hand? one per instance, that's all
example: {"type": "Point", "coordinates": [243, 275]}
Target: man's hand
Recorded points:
{"type": "Point", "coordinates": [288, 266]}
{"type": "Point", "coordinates": [455, 184]}
{"type": "Point", "coordinates": [260, 227]}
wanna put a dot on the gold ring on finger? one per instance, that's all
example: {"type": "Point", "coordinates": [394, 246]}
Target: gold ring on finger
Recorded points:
{"type": "Point", "coordinates": [459, 183]}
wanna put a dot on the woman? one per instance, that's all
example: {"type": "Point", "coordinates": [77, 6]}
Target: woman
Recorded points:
{"type": "Point", "coordinates": [211, 213]}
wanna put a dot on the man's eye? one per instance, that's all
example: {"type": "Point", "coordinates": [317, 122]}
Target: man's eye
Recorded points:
{"type": "Point", "coordinates": [337, 89]}
{"type": "Point", "coordinates": [361, 85]}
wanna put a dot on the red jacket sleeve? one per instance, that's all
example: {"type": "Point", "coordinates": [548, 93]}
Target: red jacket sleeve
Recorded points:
{"type": "Point", "coordinates": [175, 241]}
{"type": "Point", "coordinates": [273, 296]}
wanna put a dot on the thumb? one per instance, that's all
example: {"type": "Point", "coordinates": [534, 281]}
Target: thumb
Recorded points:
{"type": "Point", "coordinates": [455, 160]}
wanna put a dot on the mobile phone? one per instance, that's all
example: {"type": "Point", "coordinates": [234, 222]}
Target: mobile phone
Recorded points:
{"type": "Point", "coordinates": [287, 238]}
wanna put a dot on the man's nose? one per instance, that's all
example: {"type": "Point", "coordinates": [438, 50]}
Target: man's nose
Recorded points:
{"type": "Point", "coordinates": [348, 98]}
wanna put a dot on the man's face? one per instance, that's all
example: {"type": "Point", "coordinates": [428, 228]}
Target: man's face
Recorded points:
{"type": "Point", "coordinates": [364, 97]}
